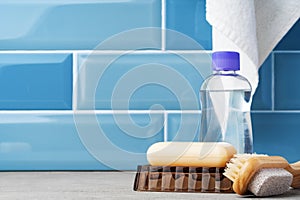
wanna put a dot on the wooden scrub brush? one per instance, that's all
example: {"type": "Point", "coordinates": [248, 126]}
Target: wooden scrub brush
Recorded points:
{"type": "Point", "coordinates": [262, 175]}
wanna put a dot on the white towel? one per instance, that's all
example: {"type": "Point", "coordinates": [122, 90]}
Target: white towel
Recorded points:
{"type": "Point", "coordinates": [251, 27]}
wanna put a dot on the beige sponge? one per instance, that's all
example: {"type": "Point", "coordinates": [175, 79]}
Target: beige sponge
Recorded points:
{"type": "Point", "coordinates": [204, 154]}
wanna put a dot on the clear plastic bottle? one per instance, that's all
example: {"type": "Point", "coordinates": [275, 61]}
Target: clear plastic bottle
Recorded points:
{"type": "Point", "coordinates": [225, 105]}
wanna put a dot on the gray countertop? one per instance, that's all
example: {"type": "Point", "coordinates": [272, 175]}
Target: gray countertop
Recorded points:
{"type": "Point", "coordinates": [93, 185]}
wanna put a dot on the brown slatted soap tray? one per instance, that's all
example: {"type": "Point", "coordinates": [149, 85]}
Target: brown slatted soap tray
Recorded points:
{"type": "Point", "coordinates": [181, 179]}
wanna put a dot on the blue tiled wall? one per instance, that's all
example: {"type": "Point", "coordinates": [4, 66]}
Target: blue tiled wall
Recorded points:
{"type": "Point", "coordinates": [64, 106]}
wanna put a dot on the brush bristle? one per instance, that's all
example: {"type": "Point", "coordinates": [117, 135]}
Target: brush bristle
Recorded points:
{"type": "Point", "coordinates": [236, 163]}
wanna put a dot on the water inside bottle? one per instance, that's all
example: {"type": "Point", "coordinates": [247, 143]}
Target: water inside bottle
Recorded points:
{"type": "Point", "coordinates": [226, 117]}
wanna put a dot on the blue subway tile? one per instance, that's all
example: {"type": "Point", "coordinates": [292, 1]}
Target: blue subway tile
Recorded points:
{"type": "Point", "coordinates": [184, 127]}
{"type": "Point", "coordinates": [287, 92]}
{"type": "Point", "coordinates": [129, 138]}
{"type": "Point", "coordinates": [291, 40]}
{"type": "Point", "coordinates": [187, 17]}
{"type": "Point", "coordinates": [42, 142]}
{"type": "Point", "coordinates": [35, 81]}
{"type": "Point", "coordinates": [141, 81]}
{"type": "Point", "coordinates": [74, 24]}
{"type": "Point", "coordinates": [51, 141]}
{"type": "Point", "coordinates": [277, 134]}
{"type": "Point", "coordinates": [262, 99]}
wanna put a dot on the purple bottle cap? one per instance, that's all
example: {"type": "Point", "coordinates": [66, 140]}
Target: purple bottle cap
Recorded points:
{"type": "Point", "coordinates": [226, 61]}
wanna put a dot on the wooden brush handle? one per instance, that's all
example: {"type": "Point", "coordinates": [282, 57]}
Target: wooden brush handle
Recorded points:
{"type": "Point", "coordinates": [295, 170]}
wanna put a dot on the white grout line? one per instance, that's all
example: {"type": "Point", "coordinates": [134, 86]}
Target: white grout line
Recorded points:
{"type": "Point", "coordinates": [183, 111]}
{"type": "Point", "coordinates": [189, 51]}
{"type": "Point", "coordinates": [56, 112]}
{"type": "Point", "coordinates": [275, 111]}
{"type": "Point", "coordinates": [120, 111]}
{"type": "Point", "coordinates": [286, 51]}
{"type": "Point", "coordinates": [140, 111]}
{"type": "Point", "coordinates": [124, 51]}
{"type": "Point", "coordinates": [36, 51]}
{"type": "Point", "coordinates": [171, 111]}
{"type": "Point", "coordinates": [272, 81]}
{"type": "Point", "coordinates": [103, 111]}
{"type": "Point", "coordinates": [75, 76]}
{"type": "Point", "coordinates": [103, 51]}
{"type": "Point", "coordinates": [107, 111]}
{"type": "Point", "coordinates": [83, 51]}
{"type": "Point", "coordinates": [143, 51]}
{"type": "Point", "coordinates": [118, 51]}
{"type": "Point", "coordinates": [165, 127]}
{"type": "Point", "coordinates": [163, 25]}
{"type": "Point", "coordinates": [164, 112]}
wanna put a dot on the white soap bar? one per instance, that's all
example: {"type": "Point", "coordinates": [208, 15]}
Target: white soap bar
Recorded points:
{"type": "Point", "coordinates": [197, 154]}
